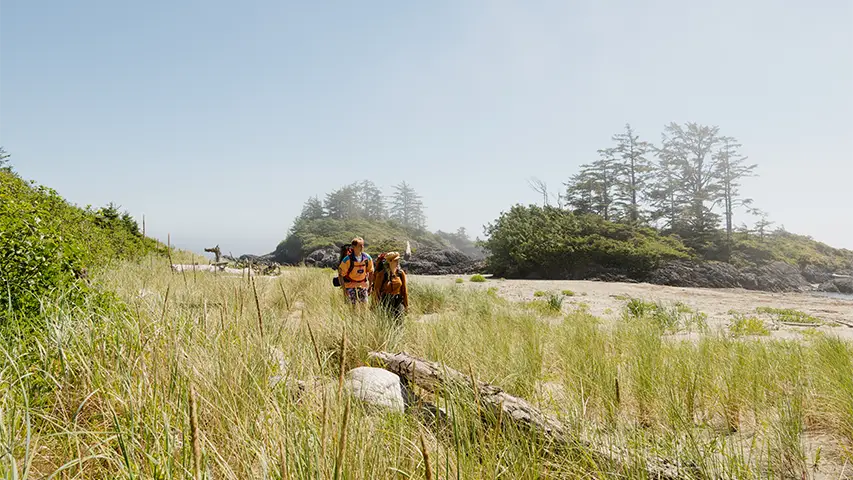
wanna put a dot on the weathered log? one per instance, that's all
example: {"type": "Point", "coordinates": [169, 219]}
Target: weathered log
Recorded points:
{"type": "Point", "coordinates": [437, 378]}
{"type": "Point", "coordinates": [216, 251]}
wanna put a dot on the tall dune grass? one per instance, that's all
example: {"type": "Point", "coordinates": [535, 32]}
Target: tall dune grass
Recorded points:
{"type": "Point", "coordinates": [186, 377]}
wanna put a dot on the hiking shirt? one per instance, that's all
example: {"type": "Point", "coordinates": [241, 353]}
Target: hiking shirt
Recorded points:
{"type": "Point", "coordinates": [358, 277]}
{"type": "Point", "coordinates": [396, 285]}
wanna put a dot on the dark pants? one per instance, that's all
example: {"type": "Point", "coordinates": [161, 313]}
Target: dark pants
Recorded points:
{"type": "Point", "coordinates": [393, 305]}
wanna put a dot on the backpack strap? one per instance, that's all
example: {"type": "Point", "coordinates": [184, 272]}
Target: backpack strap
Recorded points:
{"type": "Point", "coordinates": [386, 278]}
{"type": "Point", "coordinates": [351, 266]}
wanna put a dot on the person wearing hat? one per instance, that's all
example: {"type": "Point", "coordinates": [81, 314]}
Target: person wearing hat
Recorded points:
{"type": "Point", "coordinates": [356, 270]}
{"type": "Point", "coordinates": [389, 286]}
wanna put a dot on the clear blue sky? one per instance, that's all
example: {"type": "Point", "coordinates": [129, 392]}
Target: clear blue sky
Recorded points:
{"type": "Point", "coordinates": [216, 120]}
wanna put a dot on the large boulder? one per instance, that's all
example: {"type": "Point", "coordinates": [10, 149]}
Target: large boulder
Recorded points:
{"type": "Point", "coordinates": [838, 285]}
{"type": "Point", "coordinates": [323, 258]}
{"type": "Point", "coordinates": [376, 386]}
{"type": "Point", "coordinates": [442, 262]}
{"type": "Point", "coordinates": [814, 274]}
{"type": "Point", "coordinates": [686, 273]}
{"type": "Point", "coordinates": [778, 277]}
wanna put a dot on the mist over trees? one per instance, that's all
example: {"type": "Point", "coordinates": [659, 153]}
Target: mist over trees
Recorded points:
{"type": "Point", "coordinates": [687, 185]}
{"type": "Point", "coordinates": [387, 222]}
{"type": "Point", "coordinates": [365, 200]}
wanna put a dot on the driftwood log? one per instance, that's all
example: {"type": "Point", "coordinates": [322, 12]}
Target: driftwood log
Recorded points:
{"type": "Point", "coordinates": [215, 251]}
{"type": "Point", "coordinates": [437, 378]}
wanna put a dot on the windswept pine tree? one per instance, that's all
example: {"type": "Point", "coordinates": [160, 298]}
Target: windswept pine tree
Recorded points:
{"type": "Point", "coordinates": [688, 185]}
{"type": "Point", "coordinates": [688, 152]}
{"type": "Point", "coordinates": [594, 188]}
{"type": "Point", "coordinates": [343, 203]}
{"type": "Point", "coordinates": [312, 209]}
{"type": "Point", "coordinates": [371, 201]}
{"type": "Point", "coordinates": [731, 168]}
{"type": "Point", "coordinates": [407, 207]}
{"type": "Point", "coordinates": [633, 172]}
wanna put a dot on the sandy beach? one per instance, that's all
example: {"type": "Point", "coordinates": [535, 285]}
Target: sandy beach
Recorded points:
{"type": "Point", "coordinates": [607, 300]}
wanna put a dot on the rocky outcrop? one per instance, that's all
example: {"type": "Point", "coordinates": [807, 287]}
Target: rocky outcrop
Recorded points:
{"type": "Point", "coordinates": [774, 277]}
{"type": "Point", "coordinates": [442, 262]}
{"type": "Point", "coordinates": [837, 285]}
{"type": "Point", "coordinates": [816, 275]}
{"type": "Point", "coordinates": [323, 258]}
{"type": "Point", "coordinates": [422, 262]}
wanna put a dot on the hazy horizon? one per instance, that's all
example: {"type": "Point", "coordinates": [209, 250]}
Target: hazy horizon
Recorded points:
{"type": "Point", "coordinates": [218, 121]}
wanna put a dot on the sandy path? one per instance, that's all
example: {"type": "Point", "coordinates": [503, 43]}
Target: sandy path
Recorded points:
{"type": "Point", "coordinates": [607, 300]}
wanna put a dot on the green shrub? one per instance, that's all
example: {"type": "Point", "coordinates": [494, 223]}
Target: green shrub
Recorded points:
{"type": "Point", "coordinates": [668, 319]}
{"type": "Point", "coordinates": [478, 278]}
{"type": "Point", "coordinates": [540, 293]}
{"type": "Point", "coordinates": [788, 315]}
{"type": "Point", "coordinates": [568, 293]}
{"type": "Point", "coordinates": [550, 242]}
{"type": "Point", "coordinates": [459, 280]}
{"type": "Point", "coordinates": [747, 326]}
{"type": "Point", "coordinates": [639, 308]}
{"type": "Point", "coordinates": [46, 244]}
{"type": "Point", "coordinates": [555, 303]}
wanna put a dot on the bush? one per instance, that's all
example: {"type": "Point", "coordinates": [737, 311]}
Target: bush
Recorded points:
{"type": "Point", "coordinates": [46, 244]}
{"type": "Point", "coordinates": [788, 315]}
{"type": "Point", "coordinates": [548, 242]}
{"type": "Point", "coordinates": [742, 326]}
{"type": "Point", "coordinates": [568, 293]}
{"type": "Point", "coordinates": [459, 280]}
{"type": "Point", "coordinates": [478, 278]}
{"type": "Point", "coordinates": [668, 319]}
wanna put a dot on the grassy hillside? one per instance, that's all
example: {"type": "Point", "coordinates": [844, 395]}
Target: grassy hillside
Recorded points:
{"type": "Point", "coordinates": [47, 245]}
{"type": "Point", "coordinates": [795, 249]}
{"type": "Point", "coordinates": [307, 236]}
{"type": "Point", "coordinates": [202, 372]}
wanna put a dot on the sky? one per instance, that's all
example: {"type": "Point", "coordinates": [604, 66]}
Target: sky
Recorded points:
{"type": "Point", "coordinates": [217, 120]}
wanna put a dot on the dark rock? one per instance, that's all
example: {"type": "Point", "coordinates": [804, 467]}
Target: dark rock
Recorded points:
{"type": "Point", "coordinates": [814, 274]}
{"type": "Point", "coordinates": [838, 285]}
{"type": "Point", "coordinates": [780, 277]}
{"type": "Point", "coordinates": [421, 262]}
{"type": "Point", "coordinates": [774, 277]}
{"type": "Point", "coordinates": [442, 262]}
{"type": "Point", "coordinates": [685, 273]}
{"type": "Point", "coordinates": [324, 258]}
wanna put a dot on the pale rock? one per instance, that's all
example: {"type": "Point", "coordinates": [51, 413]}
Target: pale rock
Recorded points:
{"type": "Point", "coordinates": [376, 386]}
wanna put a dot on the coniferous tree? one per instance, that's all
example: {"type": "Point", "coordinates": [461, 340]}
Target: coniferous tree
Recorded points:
{"type": "Point", "coordinates": [312, 209]}
{"type": "Point", "coordinates": [407, 207]}
{"type": "Point", "coordinates": [4, 159]}
{"type": "Point", "coordinates": [580, 193]}
{"type": "Point", "coordinates": [633, 172]}
{"type": "Point", "coordinates": [687, 152]}
{"type": "Point", "coordinates": [594, 188]}
{"type": "Point", "coordinates": [343, 203]}
{"type": "Point", "coordinates": [731, 168]}
{"type": "Point", "coordinates": [371, 201]}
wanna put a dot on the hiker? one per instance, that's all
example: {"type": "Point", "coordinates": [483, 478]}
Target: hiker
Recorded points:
{"type": "Point", "coordinates": [356, 271]}
{"type": "Point", "coordinates": [389, 286]}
